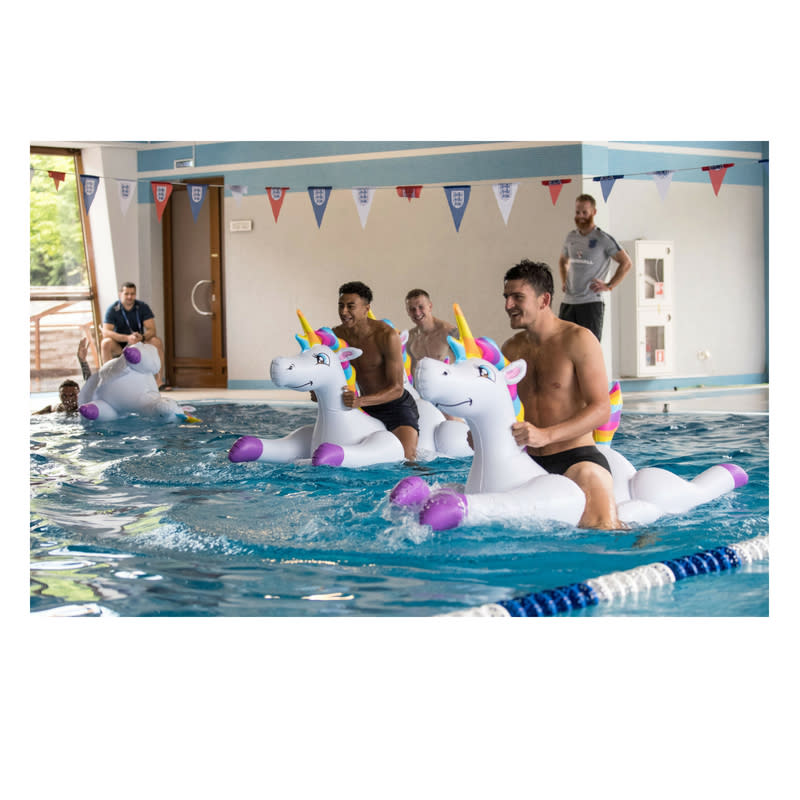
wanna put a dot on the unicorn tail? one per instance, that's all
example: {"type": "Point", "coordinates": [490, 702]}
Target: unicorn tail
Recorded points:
{"type": "Point", "coordinates": [605, 433]}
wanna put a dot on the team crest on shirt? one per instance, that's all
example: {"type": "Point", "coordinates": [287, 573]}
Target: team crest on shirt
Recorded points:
{"type": "Point", "coordinates": [592, 243]}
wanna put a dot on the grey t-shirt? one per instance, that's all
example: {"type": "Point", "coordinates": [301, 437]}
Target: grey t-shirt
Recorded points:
{"type": "Point", "coordinates": [589, 258]}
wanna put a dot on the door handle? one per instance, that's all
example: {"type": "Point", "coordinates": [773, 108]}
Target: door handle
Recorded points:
{"type": "Point", "coordinates": [194, 305]}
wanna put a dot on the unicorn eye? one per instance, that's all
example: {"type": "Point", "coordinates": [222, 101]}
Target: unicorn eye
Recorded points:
{"type": "Point", "coordinates": [485, 372]}
{"type": "Point", "coordinates": [322, 358]}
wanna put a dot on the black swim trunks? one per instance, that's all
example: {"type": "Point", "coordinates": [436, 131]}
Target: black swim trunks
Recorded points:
{"type": "Point", "coordinates": [395, 413]}
{"type": "Point", "coordinates": [559, 463]}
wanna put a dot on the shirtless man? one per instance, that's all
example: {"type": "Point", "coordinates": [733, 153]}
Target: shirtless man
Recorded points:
{"type": "Point", "coordinates": [429, 336]}
{"type": "Point", "coordinates": [565, 391]}
{"type": "Point", "coordinates": [379, 369]}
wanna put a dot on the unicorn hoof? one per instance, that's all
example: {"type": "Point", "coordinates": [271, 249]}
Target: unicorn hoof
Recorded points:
{"type": "Point", "coordinates": [89, 411]}
{"type": "Point", "coordinates": [411, 491]}
{"type": "Point", "coordinates": [132, 355]}
{"type": "Point", "coordinates": [740, 477]}
{"type": "Point", "coordinates": [328, 454]}
{"type": "Point", "coordinates": [444, 510]}
{"type": "Point", "coordinates": [248, 448]}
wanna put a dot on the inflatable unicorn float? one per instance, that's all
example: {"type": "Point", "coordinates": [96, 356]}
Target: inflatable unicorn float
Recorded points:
{"type": "Point", "coordinates": [127, 385]}
{"type": "Point", "coordinates": [343, 436]}
{"type": "Point", "coordinates": [504, 483]}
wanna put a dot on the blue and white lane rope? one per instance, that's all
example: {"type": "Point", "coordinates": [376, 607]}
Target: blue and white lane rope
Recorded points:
{"type": "Point", "coordinates": [606, 588]}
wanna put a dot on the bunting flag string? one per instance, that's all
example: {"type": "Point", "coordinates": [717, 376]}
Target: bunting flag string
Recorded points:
{"type": "Point", "coordinates": [457, 196]}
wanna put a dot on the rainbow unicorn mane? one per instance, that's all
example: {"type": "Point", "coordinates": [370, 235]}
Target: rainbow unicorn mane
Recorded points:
{"type": "Point", "coordinates": [467, 346]}
{"type": "Point", "coordinates": [605, 433]}
{"type": "Point", "coordinates": [327, 337]}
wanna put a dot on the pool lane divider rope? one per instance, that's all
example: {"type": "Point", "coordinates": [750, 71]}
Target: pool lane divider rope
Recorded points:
{"type": "Point", "coordinates": [606, 588]}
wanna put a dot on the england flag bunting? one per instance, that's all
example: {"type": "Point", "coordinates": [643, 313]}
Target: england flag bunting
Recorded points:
{"type": "Point", "coordinates": [607, 184]}
{"type": "Point", "coordinates": [505, 194]}
{"type": "Point", "coordinates": [319, 200]}
{"type": "Point", "coordinates": [276, 195]}
{"type": "Point", "coordinates": [126, 190]}
{"type": "Point", "coordinates": [457, 199]}
{"type": "Point", "coordinates": [363, 195]}
{"type": "Point", "coordinates": [57, 177]}
{"type": "Point", "coordinates": [717, 175]}
{"type": "Point", "coordinates": [663, 179]}
{"type": "Point", "coordinates": [90, 184]}
{"type": "Point", "coordinates": [409, 191]}
{"type": "Point", "coordinates": [161, 193]}
{"type": "Point", "coordinates": [555, 187]}
{"type": "Point", "coordinates": [197, 194]}
{"type": "Point", "coordinates": [237, 191]}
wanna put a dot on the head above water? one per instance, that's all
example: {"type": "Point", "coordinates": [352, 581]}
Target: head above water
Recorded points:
{"type": "Point", "coordinates": [68, 394]}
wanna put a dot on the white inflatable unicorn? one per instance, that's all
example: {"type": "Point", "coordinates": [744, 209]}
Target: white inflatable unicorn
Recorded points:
{"type": "Point", "coordinates": [504, 483]}
{"type": "Point", "coordinates": [340, 436]}
{"type": "Point", "coordinates": [127, 385]}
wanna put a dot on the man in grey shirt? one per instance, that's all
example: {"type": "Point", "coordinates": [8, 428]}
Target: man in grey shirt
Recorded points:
{"type": "Point", "coordinates": [584, 264]}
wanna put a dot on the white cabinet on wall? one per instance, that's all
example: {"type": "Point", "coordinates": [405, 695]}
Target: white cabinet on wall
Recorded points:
{"type": "Point", "coordinates": [646, 310]}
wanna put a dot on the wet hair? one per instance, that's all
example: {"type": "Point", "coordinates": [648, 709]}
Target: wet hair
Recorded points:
{"type": "Point", "coordinates": [417, 293]}
{"type": "Point", "coordinates": [67, 383]}
{"type": "Point", "coordinates": [127, 285]}
{"type": "Point", "coordinates": [356, 287]}
{"type": "Point", "coordinates": [535, 273]}
{"type": "Point", "coordinates": [586, 198]}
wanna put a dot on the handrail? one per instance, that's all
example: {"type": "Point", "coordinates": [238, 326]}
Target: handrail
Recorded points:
{"type": "Point", "coordinates": [87, 328]}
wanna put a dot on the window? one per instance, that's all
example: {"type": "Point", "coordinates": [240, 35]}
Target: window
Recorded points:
{"type": "Point", "coordinates": [63, 308]}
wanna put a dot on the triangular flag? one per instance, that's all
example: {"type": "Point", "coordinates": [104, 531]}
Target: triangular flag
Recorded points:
{"type": "Point", "coordinates": [276, 196]}
{"type": "Point", "coordinates": [763, 161]}
{"type": "Point", "coordinates": [237, 191]}
{"type": "Point", "coordinates": [457, 198]}
{"type": "Point", "coordinates": [197, 194]}
{"type": "Point", "coordinates": [90, 184]}
{"type": "Point", "coordinates": [56, 176]}
{"type": "Point", "coordinates": [505, 194]}
{"type": "Point", "coordinates": [161, 193]}
{"type": "Point", "coordinates": [555, 187]}
{"type": "Point", "coordinates": [319, 200]}
{"type": "Point", "coordinates": [717, 175]}
{"type": "Point", "coordinates": [127, 189]}
{"type": "Point", "coordinates": [363, 196]}
{"type": "Point", "coordinates": [663, 179]}
{"type": "Point", "coordinates": [409, 191]}
{"type": "Point", "coordinates": [607, 184]}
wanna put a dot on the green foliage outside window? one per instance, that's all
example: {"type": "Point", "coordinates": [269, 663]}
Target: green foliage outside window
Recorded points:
{"type": "Point", "coordinates": [57, 253]}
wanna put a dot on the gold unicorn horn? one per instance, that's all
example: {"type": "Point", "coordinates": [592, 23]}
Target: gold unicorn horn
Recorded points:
{"type": "Point", "coordinates": [311, 334]}
{"type": "Point", "coordinates": [465, 334]}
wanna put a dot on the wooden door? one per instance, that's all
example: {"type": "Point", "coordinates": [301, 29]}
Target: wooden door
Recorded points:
{"type": "Point", "coordinates": [193, 289]}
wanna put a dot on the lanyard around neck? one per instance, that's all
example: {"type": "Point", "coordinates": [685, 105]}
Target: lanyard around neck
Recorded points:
{"type": "Point", "coordinates": [127, 321]}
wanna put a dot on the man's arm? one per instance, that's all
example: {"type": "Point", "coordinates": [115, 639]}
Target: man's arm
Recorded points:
{"type": "Point", "coordinates": [149, 326]}
{"type": "Point", "coordinates": [624, 262]}
{"type": "Point", "coordinates": [122, 338]}
{"type": "Point", "coordinates": [392, 351]}
{"type": "Point", "coordinates": [563, 265]}
{"type": "Point", "coordinates": [83, 349]}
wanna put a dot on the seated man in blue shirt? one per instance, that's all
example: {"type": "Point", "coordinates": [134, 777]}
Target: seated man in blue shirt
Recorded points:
{"type": "Point", "coordinates": [129, 321]}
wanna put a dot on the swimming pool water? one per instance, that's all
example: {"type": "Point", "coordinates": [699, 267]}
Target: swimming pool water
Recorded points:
{"type": "Point", "coordinates": [135, 519]}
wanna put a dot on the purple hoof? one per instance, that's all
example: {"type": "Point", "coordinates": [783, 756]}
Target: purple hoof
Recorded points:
{"type": "Point", "coordinates": [740, 477]}
{"type": "Point", "coordinates": [248, 448]}
{"type": "Point", "coordinates": [328, 454]}
{"type": "Point", "coordinates": [89, 411]}
{"type": "Point", "coordinates": [132, 355]}
{"type": "Point", "coordinates": [410, 491]}
{"type": "Point", "coordinates": [444, 510]}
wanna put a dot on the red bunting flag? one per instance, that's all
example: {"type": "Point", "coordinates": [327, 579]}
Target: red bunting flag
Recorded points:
{"type": "Point", "coordinates": [57, 177]}
{"type": "Point", "coordinates": [409, 191]}
{"type": "Point", "coordinates": [161, 193]}
{"type": "Point", "coordinates": [276, 196]}
{"type": "Point", "coordinates": [555, 187]}
{"type": "Point", "coordinates": [717, 175]}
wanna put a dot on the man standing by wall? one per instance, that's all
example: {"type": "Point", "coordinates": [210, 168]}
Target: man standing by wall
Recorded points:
{"type": "Point", "coordinates": [584, 264]}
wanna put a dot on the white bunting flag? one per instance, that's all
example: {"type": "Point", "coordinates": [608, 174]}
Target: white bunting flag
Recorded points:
{"type": "Point", "coordinates": [237, 191]}
{"type": "Point", "coordinates": [505, 194]}
{"type": "Point", "coordinates": [126, 190]}
{"type": "Point", "coordinates": [363, 198]}
{"type": "Point", "coordinates": [663, 179]}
